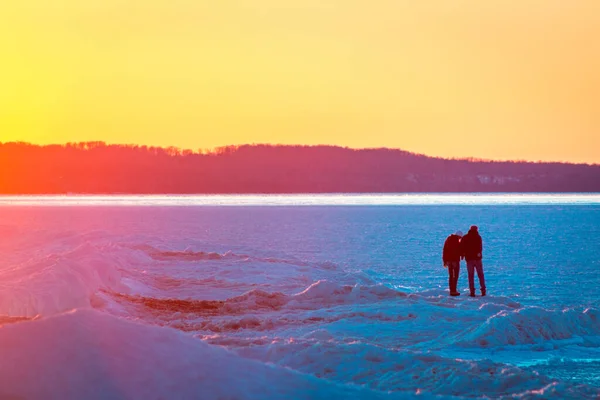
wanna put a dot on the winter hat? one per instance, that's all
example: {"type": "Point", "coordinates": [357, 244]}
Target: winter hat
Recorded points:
{"type": "Point", "coordinates": [459, 233]}
{"type": "Point", "coordinates": [473, 227]}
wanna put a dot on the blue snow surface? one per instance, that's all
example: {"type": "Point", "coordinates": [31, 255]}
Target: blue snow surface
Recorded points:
{"type": "Point", "coordinates": [297, 297]}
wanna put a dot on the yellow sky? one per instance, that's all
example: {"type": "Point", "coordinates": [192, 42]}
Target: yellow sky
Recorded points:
{"type": "Point", "coordinates": [501, 79]}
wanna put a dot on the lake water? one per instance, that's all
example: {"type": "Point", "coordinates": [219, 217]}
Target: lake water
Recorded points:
{"type": "Point", "coordinates": [346, 294]}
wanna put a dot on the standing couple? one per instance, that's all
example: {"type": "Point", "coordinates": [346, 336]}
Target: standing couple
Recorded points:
{"type": "Point", "coordinates": [468, 247]}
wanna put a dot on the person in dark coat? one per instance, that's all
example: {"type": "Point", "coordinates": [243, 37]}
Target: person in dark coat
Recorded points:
{"type": "Point", "coordinates": [451, 256]}
{"type": "Point", "coordinates": [472, 251]}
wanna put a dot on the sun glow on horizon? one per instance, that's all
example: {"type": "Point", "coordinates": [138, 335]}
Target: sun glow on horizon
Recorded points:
{"type": "Point", "coordinates": [494, 79]}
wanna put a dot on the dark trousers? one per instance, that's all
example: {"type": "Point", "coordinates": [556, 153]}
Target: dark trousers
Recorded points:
{"type": "Point", "coordinates": [453, 271]}
{"type": "Point", "coordinates": [472, 266]}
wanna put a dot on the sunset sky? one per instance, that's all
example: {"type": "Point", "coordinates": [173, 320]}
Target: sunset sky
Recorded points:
{"type": "Point", "coordinates": [499, 79]}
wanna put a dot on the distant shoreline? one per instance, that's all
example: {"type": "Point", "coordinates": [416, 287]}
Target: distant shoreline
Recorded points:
{"type": "Point", "coordinates": [96, 168]}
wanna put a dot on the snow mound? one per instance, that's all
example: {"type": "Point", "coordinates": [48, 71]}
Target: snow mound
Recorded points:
{"type": "Point", "coordinates": [255, 300]}
{"type": "Point", "coordinates": [189, 255]}
{"type": "Point", "coordinates": [85, 354]}
{"type": "Point", "coordinates": [536, 326]}
{"type": "Point", "coordinates": [199, 255]}
{"type": "Point", "coordinates": [320, 294]}
{"type": "Point", "coordinates": [400, 372]}
{"type": "Point", "coordinates": [61, 281]}
{"type": "Point", "coordinates": [327, 293]}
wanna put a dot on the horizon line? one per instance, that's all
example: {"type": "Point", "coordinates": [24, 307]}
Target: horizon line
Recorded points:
{"type": "Point", "coordinates": [305, 199]}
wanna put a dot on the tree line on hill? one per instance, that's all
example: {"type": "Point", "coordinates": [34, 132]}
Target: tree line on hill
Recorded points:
{"type": "Point", "coordinates": [98, 168]}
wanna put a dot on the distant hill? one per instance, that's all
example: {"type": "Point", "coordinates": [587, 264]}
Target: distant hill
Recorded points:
{"type": "Point", "coordinates": [97, 168]}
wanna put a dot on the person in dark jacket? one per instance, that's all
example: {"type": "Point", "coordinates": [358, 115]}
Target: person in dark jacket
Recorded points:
{"type": "Point", "coordinates": [451, 256]}
{"type": "Point", "coordinates": [472, 249]}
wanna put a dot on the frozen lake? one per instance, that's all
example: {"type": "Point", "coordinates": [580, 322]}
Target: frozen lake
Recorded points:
{"type": "Point", "coordinates": [328, 296]}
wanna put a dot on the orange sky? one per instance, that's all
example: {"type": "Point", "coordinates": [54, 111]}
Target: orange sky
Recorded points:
{"type": "Point", "coordinates": [500, 79]}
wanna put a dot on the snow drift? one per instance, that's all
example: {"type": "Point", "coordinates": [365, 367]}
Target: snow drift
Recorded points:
{"type": "Point", "coordinates": [88, 355]}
